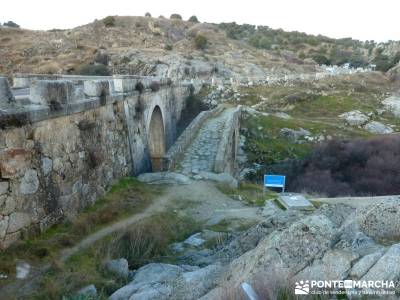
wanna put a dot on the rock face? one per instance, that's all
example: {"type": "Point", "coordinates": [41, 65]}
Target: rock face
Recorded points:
{"type": "Point", "coordinates": [163, 281]}
{"type": "Point", "coordinates": [294, 135]}
{"type": "Point", "coordinates": [392, 104]}
{"type": "Point", "coordinates": [364, 264]}
{"type": "Point", "coordinates": [381, 222]}
{"type": "Point", "coordinates": [6, 96]}
{"type": "Point", "coordinates": [354, 118]}
{"type": "Point", "coordinates": [387, 267]}
{"type": "Point", "coordinates": [119, 267]}
{"type": "Point", "coordinates": [378, 128]}
{"type": "Point", "coordinates": [287, 251]}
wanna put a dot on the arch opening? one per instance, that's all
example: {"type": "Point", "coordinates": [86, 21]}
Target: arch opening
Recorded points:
{"type": "Point", "coordinates": [156, 139]}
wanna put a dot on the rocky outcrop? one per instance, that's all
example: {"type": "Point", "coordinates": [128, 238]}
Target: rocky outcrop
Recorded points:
{"type": "Point", "coordinates": [164, 281]}
{"type": "Point", "coordinates": [381, 222]}
{"type": "Point", "coordinates": [378, 128]}
{"type": "Point", "coordinates": [354, 118]}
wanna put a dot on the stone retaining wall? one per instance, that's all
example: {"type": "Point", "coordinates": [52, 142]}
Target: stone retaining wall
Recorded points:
{"type": "Point", "coordinates": [67, 141]}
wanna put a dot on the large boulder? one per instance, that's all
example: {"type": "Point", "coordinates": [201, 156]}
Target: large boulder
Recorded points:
{"type": "Point", "coordinates": [354, 118]}
{"type": "Point", "coordinates": [294, 135]}
{"type": "Point", "coordinates": [387, 267]}
{"type": "Point", "coordinates": [381, 221]}
{"type": "Point", "coordinates": [285, 252]}
{"type": "Point", "coordinates": [164, 281]}
{"type": "Point", "coordinates": [378, 128]}
{"type": "Point", "coordinates": [335, 265]}
{"type": "Point", "coordinates": [119, 267]}
{"type": "Point", "coordinates": [392, 104]}
{"type": "Point", "coordinates": [362, 266]}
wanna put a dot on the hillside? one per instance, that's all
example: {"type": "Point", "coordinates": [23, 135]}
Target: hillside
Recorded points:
{"type": "Point", "coordinates": [139, 45]}
{"type": "Point", "coordinates": [167, 47]}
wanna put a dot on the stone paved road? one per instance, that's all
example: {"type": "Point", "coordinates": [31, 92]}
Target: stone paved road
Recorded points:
{"type": "Point", "coordinates": [200, 155]}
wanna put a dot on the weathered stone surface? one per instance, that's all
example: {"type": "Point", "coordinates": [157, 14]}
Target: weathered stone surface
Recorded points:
{"type": "Point", "coordinates": [387, 267]}
{"type": "Point", "coordinates": [119, 267]}
{"type": "Point", "coordinates": [47, 165]}
{"type": "Point", "coordinates": [3, 226]}
{"type": "Point", "coordinates": [392, 104]}
{"type": "Point", "coordinates": [223, 178]}
{"type": "Point", "coordinates": [88, 291]}
{"type": "Point", "coordinates": [362, 266]}
{"type": "Point", "coordinates": [6, 95]}
{"type": "Point", "coordinates": [194, 240]}
{"type": "Point", "coordinates": [294, 135]}
{"type": "Point", "coordinates": [54, 93]}
{"type": "Point", "coordinates": [14, 161]}
{"type": "Point", "coordinates": [295, 201]}
{"type": "Point", "coordinates": [381, 221]}
{"type": "Point", "coordinates": [378, 128]}
{"type": "Point", "coordinates": [164, 178]}
{"type": "Point", "coordinates": [29, 183]}
{"type": "Point", "coordinates": [17, 221]}
{"type": "Point", "coordinates": [96, 88]}
{"type": "Point", "coordinates": [335, 265]}
{"type": "Point", "coordinates": [22, 269]}
{"type": "Point", "coordinates": [4, 185]}
{"type": "Point", "coordinates": [354, 118]}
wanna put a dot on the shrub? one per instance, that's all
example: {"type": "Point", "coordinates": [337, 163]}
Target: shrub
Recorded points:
{"type": "Point", "coordinates": [193, 19]}
{"type": "Point", "coordinates": [109, 21]}
{"type": "Point", "coordinates": [148, 15]}
{"type": "Point", "coordinates": [93, 70]}
{"type": "Point", "coordinates": [200, 41]}
{"type": "Point", "coordinates": [168, 47]}
{"type": "Point", "coordinates": [11, 24]}
{"type": "Point", "coordinates": [351, 167]}
{"type": "Point", "coordinates": [175, 17]}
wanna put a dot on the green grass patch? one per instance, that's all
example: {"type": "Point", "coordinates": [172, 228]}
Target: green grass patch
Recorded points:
{"type": "Point", "coordinates": [125, 198]}
{"type": "Point", "coordinates": [144, 242]}
{"type": "Point", "coordinates": [251, 194]}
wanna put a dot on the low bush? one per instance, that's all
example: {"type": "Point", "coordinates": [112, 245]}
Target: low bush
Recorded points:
{"type": "Point", "coordinates": [350, 167]}
{"type": "Point", "coordinates": [193, 19]}
{"type": "Point", "coordinates": [109, 21]}
{"type": "Point", "coordinates": [93, 70]}
{"type": "Point", "coordinates": [200, 41]}
{"type": "Point", "coordinates": [175, 17]}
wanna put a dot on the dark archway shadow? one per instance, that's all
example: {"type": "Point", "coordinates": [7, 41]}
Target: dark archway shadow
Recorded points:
{"type": "Point", "coordinates": [156, 139]}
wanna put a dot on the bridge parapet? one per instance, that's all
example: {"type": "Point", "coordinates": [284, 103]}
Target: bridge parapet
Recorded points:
{"type": "Point", "coordinates": [226, 154]}
{"type": "Point", "coordinates": [36, 97]}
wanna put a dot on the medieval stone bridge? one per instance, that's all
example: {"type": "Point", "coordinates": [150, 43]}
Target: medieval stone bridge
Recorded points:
{"type": "Point", "coordinates": [64, 140]}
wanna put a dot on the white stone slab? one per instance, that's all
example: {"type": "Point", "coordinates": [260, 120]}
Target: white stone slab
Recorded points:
{"type": "Point", "coordinates": [295, 201]}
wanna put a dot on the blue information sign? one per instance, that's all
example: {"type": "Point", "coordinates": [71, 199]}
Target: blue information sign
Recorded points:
{"type": "Point", "coordinates": [274, 181]}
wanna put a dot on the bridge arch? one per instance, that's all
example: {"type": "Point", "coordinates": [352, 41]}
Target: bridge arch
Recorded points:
{"type": "Point", "coordinates": [156, 139]}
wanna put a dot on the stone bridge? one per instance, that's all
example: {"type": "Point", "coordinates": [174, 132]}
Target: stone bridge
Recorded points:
{"type": "Point", "coordinates": [65, 140]}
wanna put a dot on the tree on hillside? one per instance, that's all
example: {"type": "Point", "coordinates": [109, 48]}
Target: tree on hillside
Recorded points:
{"type": "Point", "coordinates": [200, 41]}
{"type": "Point", "coordinates": [148, 15]}
{"type": "Point", "coordinates": [193, 19]}
{"type": "Point", "coordinates": [109, 21]}
{"type": "Point", "coordinates": [11, 24]}
{"type": "Point", "coordinates": [175, 17]}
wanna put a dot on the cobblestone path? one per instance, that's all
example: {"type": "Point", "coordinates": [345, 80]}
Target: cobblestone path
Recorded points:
{"type": "Point", "coordinates": [200, 155]}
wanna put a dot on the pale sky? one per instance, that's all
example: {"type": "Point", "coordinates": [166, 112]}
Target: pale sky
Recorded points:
{"type": "Point", "coordinates": [361, 19]}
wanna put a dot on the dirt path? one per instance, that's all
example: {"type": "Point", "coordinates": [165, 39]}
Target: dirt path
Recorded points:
{"type": "Point", "coordinates": [200, 200]}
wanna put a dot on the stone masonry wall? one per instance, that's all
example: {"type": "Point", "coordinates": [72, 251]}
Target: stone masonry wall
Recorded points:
{"type": "Point", "coordinates": [53, 165]}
